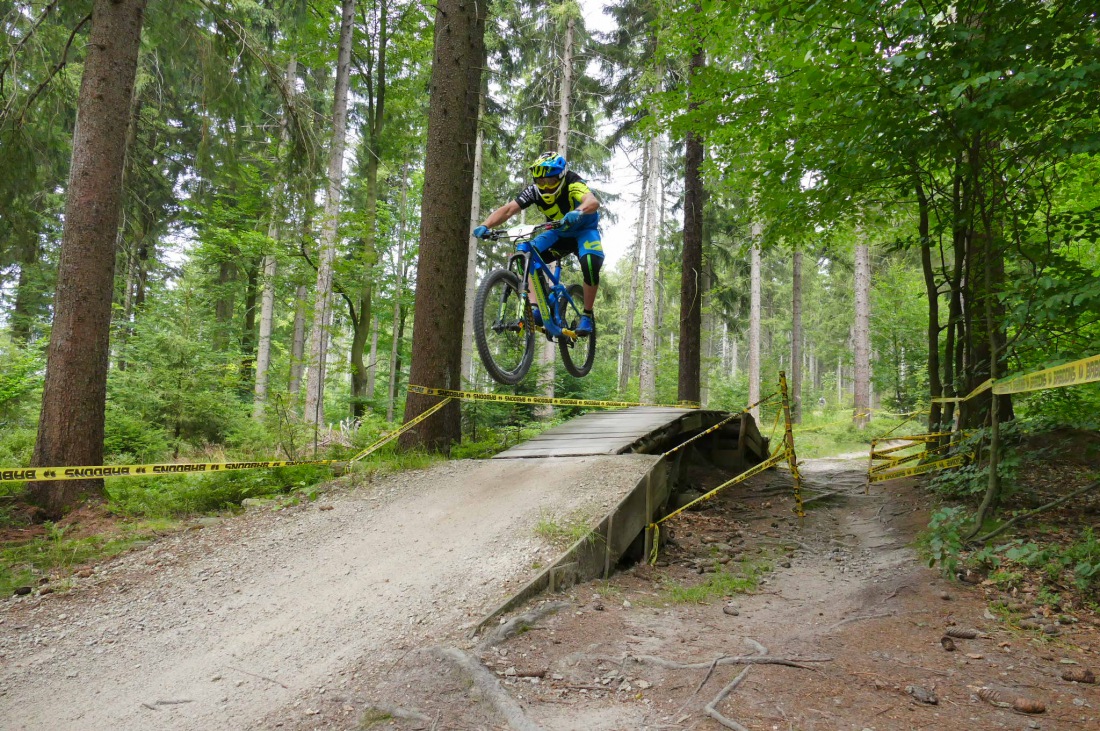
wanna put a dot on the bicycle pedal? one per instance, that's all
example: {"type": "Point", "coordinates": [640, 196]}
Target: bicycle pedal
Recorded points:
{"type": "Point", "coordinates": [572, 335]}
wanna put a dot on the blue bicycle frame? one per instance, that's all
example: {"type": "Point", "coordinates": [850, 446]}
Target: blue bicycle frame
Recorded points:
{"type": "Point", "coordinates": [528, 264]}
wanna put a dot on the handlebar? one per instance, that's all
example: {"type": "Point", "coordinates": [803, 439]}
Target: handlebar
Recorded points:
{"type": "Point", "coordinates": [501, 234]}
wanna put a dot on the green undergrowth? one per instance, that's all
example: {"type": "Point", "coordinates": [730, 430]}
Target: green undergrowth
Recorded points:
{"type": "Point", "coordinates": [721, 583]}
{"type": "Point", "coordinates": [55, 554]}
{"type": "Point", "coordinates": [140, 509]}
{"type": "Point", "coordinates": [827, 434]}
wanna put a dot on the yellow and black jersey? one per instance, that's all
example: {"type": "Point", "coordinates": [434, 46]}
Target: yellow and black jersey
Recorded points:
{"type": "Point", "coordinates": [568, 198]}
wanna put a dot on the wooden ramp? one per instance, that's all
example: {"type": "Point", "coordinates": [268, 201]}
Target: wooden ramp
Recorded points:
{"type": "Point", "coordinates": [602, 432]}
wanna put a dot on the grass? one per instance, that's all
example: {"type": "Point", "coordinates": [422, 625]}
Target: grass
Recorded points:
{"type": "Point", "coordinates": [722, 583]}
{"type": "Point", "coordinates": [826, 434]}
{"type": "Point", "coordinates": [563, 532]}
{"type": "Point", "coordinates": [26, 563]}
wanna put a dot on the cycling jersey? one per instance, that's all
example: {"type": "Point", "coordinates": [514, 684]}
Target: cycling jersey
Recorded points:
{"type": "Point", "coordinates": [569, 197]}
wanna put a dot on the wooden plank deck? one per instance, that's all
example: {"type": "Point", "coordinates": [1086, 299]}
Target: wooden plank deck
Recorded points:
{"type": "Point", "coordinates": [602, 432]}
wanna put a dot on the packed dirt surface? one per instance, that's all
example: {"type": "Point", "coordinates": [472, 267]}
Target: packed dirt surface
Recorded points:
{"type": "Point", "coordinates": [353, 612]}
{"type": "Point", "coordinates": [273, 617]}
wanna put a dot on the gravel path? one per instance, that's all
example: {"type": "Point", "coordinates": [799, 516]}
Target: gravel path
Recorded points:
{"type": "Point", "coordinates": [221, 628]}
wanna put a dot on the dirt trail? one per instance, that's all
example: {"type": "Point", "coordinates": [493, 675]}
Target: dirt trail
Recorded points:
{"type": "Point", "coordinates": [256, 617]}
{"type": "Point", "coordinates": [847, 588]}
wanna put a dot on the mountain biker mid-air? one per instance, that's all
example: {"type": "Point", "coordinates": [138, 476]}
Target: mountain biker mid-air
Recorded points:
{"type": "Point", "coordinates": [561, 195]}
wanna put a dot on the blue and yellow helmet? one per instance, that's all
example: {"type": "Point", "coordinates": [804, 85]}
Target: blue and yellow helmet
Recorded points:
{"type": "Point", "coordinates": [549, 165]}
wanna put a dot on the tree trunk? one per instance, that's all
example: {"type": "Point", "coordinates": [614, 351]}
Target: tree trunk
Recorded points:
{"type": "Point", "coordinates": [626, 351]}
{"type": "Point", "coordinates": [322, 309]}
{"type": "Point", "coordinates": [398, 291]}
{"type": "Point", "coordinates": [691, 259]}
{"type": "Point", "coordinates": [754, 319]}
{"type": "Point", "coordinates": [267, 299]}
{"type": "Point", "coordinates": [248, 333]}
{"type": "Point", "coordinates": [548, 353]}
{"type": "Point", "coordinates": [935, 385]}
{"type": "Point", "coordinates": [298, 343]}
{"type": "Point", "coordinates": [457, 62]}
{"type": "Point", "coordinates": [267, 320]}
{"type": "Point", "coordinates": [862, 347]}
{"type": "Point", "coordinates": [27, 292]}
{"type": "Point", "coordinates": [796, 336]}
{"type": "Point", "coordinates": [70, 429]}
{"type": "Point", "coordinates": [372, 364]}
{"type": "Point", "coordinates": [648, 372]}
{"type": "Point", "coordinates": [471, 258]}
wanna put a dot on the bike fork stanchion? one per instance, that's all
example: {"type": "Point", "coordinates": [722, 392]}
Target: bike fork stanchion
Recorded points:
{"type": "Point", "coordinates": [788, 438]}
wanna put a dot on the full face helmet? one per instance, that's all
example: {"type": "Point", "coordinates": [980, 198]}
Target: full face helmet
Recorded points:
{"type": "Point", "coordinates": [549, 165]}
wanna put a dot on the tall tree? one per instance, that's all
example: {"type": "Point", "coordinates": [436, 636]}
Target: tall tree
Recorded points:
{"type": "Point", "coordinates": [647, 372]}
{"type": "Point", "coordinates": [691, 258]}
{"type": "Point", "coordinates": [862, 336]}
{"type": "Point", "coordinates": [457, 61]}
{"type": "Point", "coordinates": [754, 319]}
{"type": "Point", "coordinates": [71, 425]}
{"type": "Point", "coordinates": [322, 307]}
{"type": "Point", "coordinates": [796, 336]}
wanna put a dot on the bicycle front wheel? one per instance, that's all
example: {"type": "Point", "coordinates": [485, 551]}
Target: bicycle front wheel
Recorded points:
{"type": "Point", "coordinates": [577, 355]}
{"type": "Point", "coordinates": [503, 328]}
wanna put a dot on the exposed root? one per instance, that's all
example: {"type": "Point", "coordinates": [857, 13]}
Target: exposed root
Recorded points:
{"type": "Point", "coordinates": [519, 623]}
{"type": "Point", "coordinates": [711, 709]}
{"type": "Point", "coordinates": [406, 714]}
{"type": "Point", "coordinates": [490, 688]}
{"type": "Point", "coordinates": [721, 660]}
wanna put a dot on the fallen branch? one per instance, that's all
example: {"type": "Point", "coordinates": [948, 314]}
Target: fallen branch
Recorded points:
{"type": "Point", "coordinates": [519, 623]}
{"type": "Point", "coordinates": [721, 660]}
{"type": "Point", "coordinates": [490, 688]}
{"type": "Point", "coordinates": [860, 618]}
{"type": "Point", "coordinates": [711, 709]}
{"type": "Point", "coordinates": [1052, 504]}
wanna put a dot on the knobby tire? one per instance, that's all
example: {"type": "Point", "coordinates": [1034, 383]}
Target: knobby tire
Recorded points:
{"type": "Point", "coordinates": [502, 286]}
{"type": "Point", "coordinates": [585, 346]}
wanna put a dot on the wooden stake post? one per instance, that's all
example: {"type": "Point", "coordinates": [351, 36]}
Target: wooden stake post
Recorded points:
{"type": "Point", "coordinates": [788, 440]}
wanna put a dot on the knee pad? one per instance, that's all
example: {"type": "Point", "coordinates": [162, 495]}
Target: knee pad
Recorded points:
{"type": "Point", "coordinates": [590, 269]}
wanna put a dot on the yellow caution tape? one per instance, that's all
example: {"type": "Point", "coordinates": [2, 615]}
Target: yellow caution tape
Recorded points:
{"type": "Point", "coordinates": [21, 474]}
{"type": "Point", "coordinates": [720, 424]}
{"type": "Point", "coordinates": [144, 470]}
{"type": "Point", "coordinates": [1086, 370]}
{"type": "Point", "coordinates": [752, 472]}
{"type": "Point", "coordinates": [942, 464]}
{"type": "Point", "coordinates": [404, 428]}
{"type": "Point", "coordinates": [513, 399]}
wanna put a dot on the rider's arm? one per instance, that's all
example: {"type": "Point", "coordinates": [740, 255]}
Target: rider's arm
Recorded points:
{"type": "Point", "coordinates": [502, 214]}
{"type": "Point", "coordinates": [589, 204]}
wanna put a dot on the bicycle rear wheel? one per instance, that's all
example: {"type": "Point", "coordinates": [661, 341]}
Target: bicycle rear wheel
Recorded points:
{"type": "Point", "coordinates": [503, 328]}
{"type": "Point", "coordinates": [577, 355]}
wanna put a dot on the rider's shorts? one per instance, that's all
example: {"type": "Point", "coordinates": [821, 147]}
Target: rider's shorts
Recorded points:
{"type": "Point", "coordinates": [582, 240]}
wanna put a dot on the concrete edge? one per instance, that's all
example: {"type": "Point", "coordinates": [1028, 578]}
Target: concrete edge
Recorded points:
{"type": "Point", "coordinates": [595, 555]}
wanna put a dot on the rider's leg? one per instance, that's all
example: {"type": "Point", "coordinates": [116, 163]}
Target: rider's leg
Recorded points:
{"type": "Point", "coordinates": [590, 254]}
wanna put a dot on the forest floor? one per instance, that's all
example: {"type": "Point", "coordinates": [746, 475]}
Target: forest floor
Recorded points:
{"type": "Point", "coordinates": [310, 618]}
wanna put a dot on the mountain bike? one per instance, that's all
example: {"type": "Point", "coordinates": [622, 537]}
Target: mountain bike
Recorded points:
{"type": "Point", "coordinates": [504, 327]}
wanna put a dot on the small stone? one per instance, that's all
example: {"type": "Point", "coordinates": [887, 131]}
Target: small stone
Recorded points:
{"type": "Point", "coordinates": [643, 684]}
{"type": "Point", "coordinates": [627, 604]}
{"type": "Point", "coordinates": [945, 596]}
{"type": "Point", "coordinates": [598, 606]}
{"type": "Point", "coordinates": [510, 672]}
{"type": "Point", "coordinates": [785, 564]}
{"type": "Point", "coordinates": [731, 611]}
{"type": "Point", "coordinates": [22, 590]}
